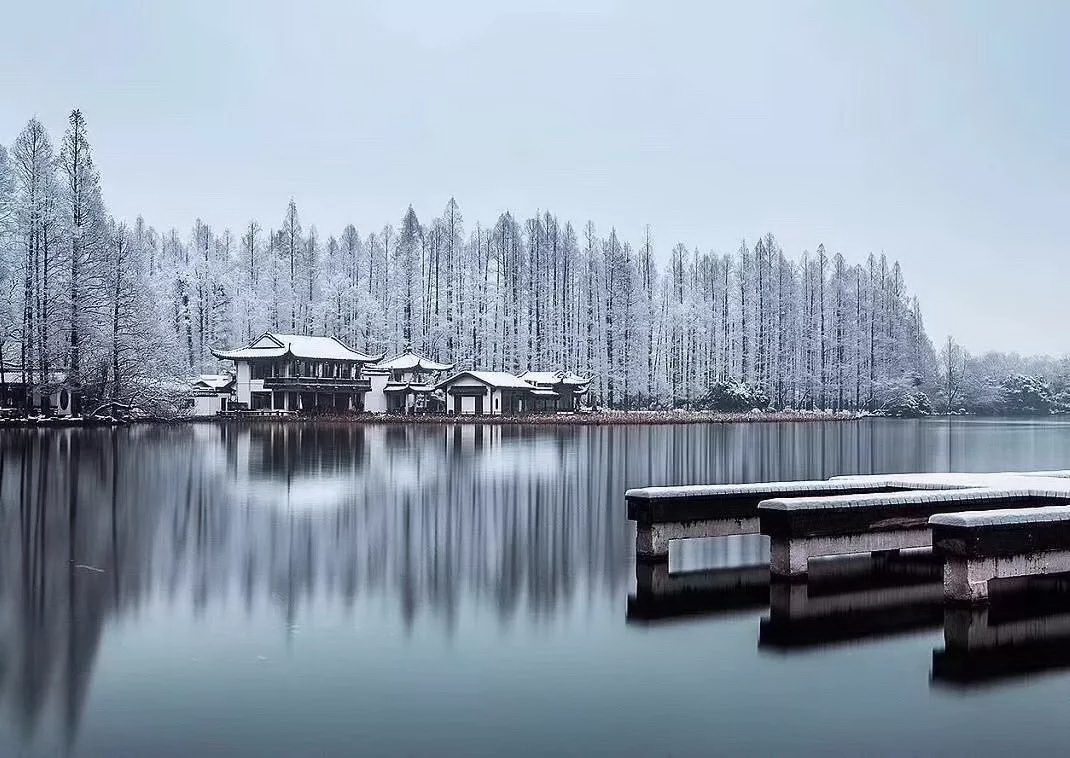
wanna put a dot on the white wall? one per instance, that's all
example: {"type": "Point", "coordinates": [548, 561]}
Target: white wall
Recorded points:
{"type": "Point", "coordinates": [242, 391]}
{"type": "Point", "coordinates": [207, 405]}
{"type": "Point", "coordinates": [375, 398]}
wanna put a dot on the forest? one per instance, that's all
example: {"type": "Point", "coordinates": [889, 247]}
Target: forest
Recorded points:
{"type": "Point", "coordinates": [117, 309]}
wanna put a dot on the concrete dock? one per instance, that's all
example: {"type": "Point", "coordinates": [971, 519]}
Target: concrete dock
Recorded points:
{"type": "Point", "coordinates": [844, 515]}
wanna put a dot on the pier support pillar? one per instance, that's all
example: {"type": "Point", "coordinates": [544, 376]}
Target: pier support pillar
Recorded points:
{"type": "Point", "coordinates": [966, 581]}
{"type": "Point", "coordinates": [651, 543]}
{"type": "Point", "coordinates": [788, 556]}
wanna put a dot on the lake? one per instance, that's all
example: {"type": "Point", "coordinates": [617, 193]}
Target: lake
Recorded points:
{"type": "Point", "coordinates": [335, 589]}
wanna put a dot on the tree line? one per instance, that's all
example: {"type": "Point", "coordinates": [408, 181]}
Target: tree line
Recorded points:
{"type": "Point", "coordinates": [112, 309]}
{"type": "Point", "coordinates": [1001, 384]}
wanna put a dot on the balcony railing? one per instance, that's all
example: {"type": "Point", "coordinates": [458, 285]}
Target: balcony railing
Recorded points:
{"type": "Point", "coordinates": [322, 382]}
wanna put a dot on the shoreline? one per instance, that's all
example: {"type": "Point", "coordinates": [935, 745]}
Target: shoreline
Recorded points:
{"type": "Point", "coordinates": [619, 418]}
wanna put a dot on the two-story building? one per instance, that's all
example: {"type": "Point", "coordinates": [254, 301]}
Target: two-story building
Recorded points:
{"type": "Point", "coordinates": [406, 384]}
{"type": "Point", "coordinates": [298, 372]}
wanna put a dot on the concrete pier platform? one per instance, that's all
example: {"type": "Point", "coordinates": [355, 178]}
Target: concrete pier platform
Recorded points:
{"type": "Point", "coordinates": [805, 527]}
{"type": "Point", "coordinates": [843, 515]}
{"type": "Point", "coordinates": [664, 514]}
{"type": "Point", "coordinates": [979, 546]}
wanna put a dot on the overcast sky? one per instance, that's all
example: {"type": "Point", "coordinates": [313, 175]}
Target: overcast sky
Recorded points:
{"type": "Point", "coordinates": [938, 133]}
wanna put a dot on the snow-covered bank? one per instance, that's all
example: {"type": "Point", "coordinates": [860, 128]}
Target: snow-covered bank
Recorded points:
{"type": "Point", "coordinates": [563, 419]}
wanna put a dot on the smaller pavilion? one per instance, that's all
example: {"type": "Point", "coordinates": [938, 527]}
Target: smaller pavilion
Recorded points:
{"type": "Point", "coordinates": [212, 394]}
{"type": "Point", "coordinates": [556, 390]}
{"type": "Point", "coordinates": [408, 385]}
{"type": "Point", "coordinates": [486, 393]}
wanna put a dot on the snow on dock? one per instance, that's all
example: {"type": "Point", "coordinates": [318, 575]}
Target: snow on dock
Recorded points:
{"type": "Point", "coordinates": [663, 514]}
{"type": "Point", "coordinates": [979, 546]}
{"type": "Point", "coordinates": [804, 528]}
{"type": "Point", "coordinates": [846, 514]}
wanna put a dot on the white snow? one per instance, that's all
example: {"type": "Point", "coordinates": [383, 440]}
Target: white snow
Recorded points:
{"type": "Point", "coordinates": [410, 361]}
{"type": "Point", "coordinates": [755, 488]}
{"type": "Point", "coordinates": [298, 345]}
{"type": "Point", "coordinates": [499, 379]}
{"type": "Point", "coordinates": [1008, 516]}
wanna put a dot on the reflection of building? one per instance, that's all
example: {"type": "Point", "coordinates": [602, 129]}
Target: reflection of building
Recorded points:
{"type": "Point", "coordinates": [212, 393]}
{"type": "Point", "coordinates": [405, 384]}
{"type": "Point", "coordinates": [298, 372]}
{"type": "Point", "coordinates": [556, 390]}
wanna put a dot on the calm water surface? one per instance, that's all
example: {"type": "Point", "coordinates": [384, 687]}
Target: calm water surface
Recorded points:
{"type": "Point", "coordinates": [276, 589]}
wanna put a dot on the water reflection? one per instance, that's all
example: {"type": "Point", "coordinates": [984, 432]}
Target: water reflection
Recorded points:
{"type": "Point", "coordinates": [854, 598]}
{"type": "Point", "coordinates": [518, 528]}
{"type": "Point", "coordinates": [1024, 631]}
{"type": "Point", "coordinates": [662, 596]}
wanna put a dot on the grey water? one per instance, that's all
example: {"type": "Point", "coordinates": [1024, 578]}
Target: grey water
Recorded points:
{"type": "Point", "coordinates": [338, 589]}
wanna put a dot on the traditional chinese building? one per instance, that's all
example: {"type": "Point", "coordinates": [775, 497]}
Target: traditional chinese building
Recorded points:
{"type": "Point", "coordinates": [299, 372]}
{"type": "Point", "coordinates": [486, 393]}
{"type": "Point", "coordinates": [556, 390]}
{"type": "Point", "coordinates": [212, 394]}
{"type": "Point", "coordinates": [406, 384]}
{"type": "Point", "coordinates": [31, 391]}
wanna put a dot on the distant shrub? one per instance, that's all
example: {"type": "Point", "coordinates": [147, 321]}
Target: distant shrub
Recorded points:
{"type": "Point", "coordinates": [733, 395]}
{"type": "Point", "coordinates": [1025, 395]}
{"type": "Point", "coordinates": [908, 403]}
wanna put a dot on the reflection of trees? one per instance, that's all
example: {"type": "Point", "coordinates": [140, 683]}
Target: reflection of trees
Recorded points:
{"type": "Point", "coordinates": [66, 536]}
{"type": "Point", "coordinates": [523, 522]}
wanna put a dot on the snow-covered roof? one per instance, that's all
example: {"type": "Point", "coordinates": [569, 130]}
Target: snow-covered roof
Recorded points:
{"type": "Point", "coordinates": [499, 379]}
{"type": "Point", "coordinates": [215, 381]}
{"type": "Point", "coordinates": [275, 345]}
{"type": "Point", "coordinates": [13, 371]}
{"type": "Point", "coordinates": [408, 387]}
{"type": "Point", "coordinates": [554, 377]}
{"type": "Point", "coordinates": [409, 361]}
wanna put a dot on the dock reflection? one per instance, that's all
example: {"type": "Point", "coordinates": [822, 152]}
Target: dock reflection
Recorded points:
{"type": "Point", "coordinates": [1024, 631]}
{"type": "Point", "coordinates": [853, 599]}
{"type": "Point", "coordinates": [662, 596]}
